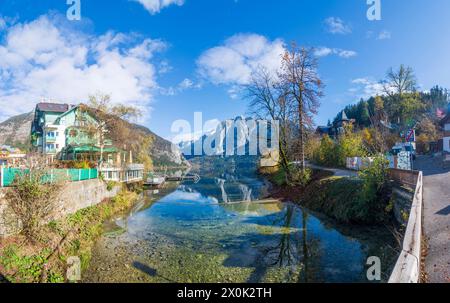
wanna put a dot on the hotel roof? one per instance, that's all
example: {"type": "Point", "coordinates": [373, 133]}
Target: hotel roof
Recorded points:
{"type": "Point", "coordinates": [53, 107]}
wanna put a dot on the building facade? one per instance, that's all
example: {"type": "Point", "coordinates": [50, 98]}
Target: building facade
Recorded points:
{"type": "Point", "coordinates": [46, 136]}
{"type": "Point", "coordinates": [10, 156]}
{"type": "Point", "coordinates": [337, 128]}
{"type": "Point", "coordinates": [446, 139]}
{"type": "Point", "coordinates": [67, 132]}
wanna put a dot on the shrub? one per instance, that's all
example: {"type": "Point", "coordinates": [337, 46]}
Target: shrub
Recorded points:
{"type": "Point", "coordinates": [350, 144]}
{"type": "Point", "coordinates": [301, 177]}
{"type": "Point", "coordinates": [375, 177]}
{"type": "Point", "coordinates": [110, 185]}
{"type": "Point", "coordinates": [33, 199]}
{"type": "Point", "coordinates": [325, 154]}
{"type": "Point", "coordinates": [335, 153]}
{"type": "Point", "coordinates": [376, 186]}
{"type": "Point", "coordinates": [82, 165]}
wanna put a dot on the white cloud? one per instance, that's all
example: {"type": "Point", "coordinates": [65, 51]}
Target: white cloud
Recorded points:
{"type": "Point", "coordinates": [326, 51]}
{"type": "Point", "coordinates": [366, 87]}
{"type": "Point", "coordinates": [45, 58]}
{"type": "Point", "coordinates": [184, 85]}
{"type": "Point", "coordinates": [336, 25]}
{"type": "Point", "coordinates": [346, 53]}
{"type": "Point", "coordinates": [155, 6]}
{"type": "Point", "coordinates": [384, 35]}
{"type": "Point", "coordinates": [234, 62]}
{"type": "Point", "coordinates": [2, 23]}
{"type": "Point", "coordinates": [323, 51]}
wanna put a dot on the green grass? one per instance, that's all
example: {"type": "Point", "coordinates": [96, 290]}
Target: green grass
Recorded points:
{"type": "Point", "coordinates": [25, 263]}
{"type": "Point", "coordinates": [344, 200]}
{"type": "Point", "coordinates": [279, 177]}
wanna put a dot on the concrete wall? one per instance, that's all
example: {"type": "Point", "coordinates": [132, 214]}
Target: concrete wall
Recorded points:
{"type": "Point", "coordinates": [407, 268]}
{"type": "Point", "coordinates": [74, 196]}
{"type": "Point", "coordinates": [446, 144]}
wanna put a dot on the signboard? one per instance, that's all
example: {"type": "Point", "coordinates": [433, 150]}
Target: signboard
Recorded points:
{"type": "Point", "coordinates": [411, 136]}
{"type": "Point", "coordinates": [404, 160]}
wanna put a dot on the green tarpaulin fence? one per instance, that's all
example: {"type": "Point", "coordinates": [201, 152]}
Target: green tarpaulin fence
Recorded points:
{"type": "Point", "coordinates": [8, 175]}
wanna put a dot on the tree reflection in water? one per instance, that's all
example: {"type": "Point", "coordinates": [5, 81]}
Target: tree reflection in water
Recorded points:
{"type": "Point", "coordinates": [286, 245]}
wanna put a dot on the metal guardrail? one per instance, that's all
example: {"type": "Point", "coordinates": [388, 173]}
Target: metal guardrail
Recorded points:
{"type": "Point", "coordinates": [407, 268]}
{"type": "Point", "coordinates": [8, 175]}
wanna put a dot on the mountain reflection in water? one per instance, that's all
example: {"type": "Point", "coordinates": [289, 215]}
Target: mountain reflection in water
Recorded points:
{"type": "Point", "coordinates": [195, 233]}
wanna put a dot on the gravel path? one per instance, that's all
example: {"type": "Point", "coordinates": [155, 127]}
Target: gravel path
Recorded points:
{"type": "Point", "coordinates": [436, 218]}
{"type": "Point", "coordinates": [337, 172]}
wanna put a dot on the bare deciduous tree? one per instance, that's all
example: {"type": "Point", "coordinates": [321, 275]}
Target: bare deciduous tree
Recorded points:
{"type": "Point", "coordinates": [304, 87]}
{"type": "Point", "coordinates": [291, 97]}
{"type": "Point", "coordinates": [268, 101]}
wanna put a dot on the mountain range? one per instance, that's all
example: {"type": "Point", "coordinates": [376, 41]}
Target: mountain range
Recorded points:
{"type": "Point", "coordinates": [246, 131]}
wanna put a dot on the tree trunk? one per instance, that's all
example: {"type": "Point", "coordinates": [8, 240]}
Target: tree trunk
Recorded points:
{"type": "Point", "coordinates": [302, 136]}
{"type": "Point", "coordinates": [284, 157]}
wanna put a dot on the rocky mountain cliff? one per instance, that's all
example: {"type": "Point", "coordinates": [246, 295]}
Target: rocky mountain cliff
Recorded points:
{"type": "Point", "coordinates": [243, 132]}
{"type": "Point", "coordinates": [16, 132]}
{"type": "Point", "coordinates": [163, 152]}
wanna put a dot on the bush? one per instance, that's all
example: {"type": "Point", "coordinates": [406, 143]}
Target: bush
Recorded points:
{"type": "Point", "coordinates": [363, 200]}
{"type": "Point", "coordinates": [335, 153]}
{"type": "Point", "coordinates": [301, 177]}
{"type": "Point", "coordinates": [33, 199]}
{"type": "Point", "coordinates": [375, 178]}
{"type": "Point", "coordinates": [325, 154]}
{"type": "Point", "coordinates": [350, 144]}
{"type": "Point", "coordinates": [84, 164]}
{"type": "Point", "coordinates": [110, 185]}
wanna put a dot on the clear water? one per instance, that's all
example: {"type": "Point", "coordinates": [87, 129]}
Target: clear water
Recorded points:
{"type": "Point", "coordinates": [197, 233]}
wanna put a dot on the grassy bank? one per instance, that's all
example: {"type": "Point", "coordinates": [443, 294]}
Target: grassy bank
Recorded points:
{"type": "Point", "coordinates": [45, 260]}
{"type": "Point", "coordinates": [344, 199]}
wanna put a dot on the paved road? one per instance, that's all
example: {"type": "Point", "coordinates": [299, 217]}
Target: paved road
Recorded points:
{"type": "Point", "coordinates": [436, 218]}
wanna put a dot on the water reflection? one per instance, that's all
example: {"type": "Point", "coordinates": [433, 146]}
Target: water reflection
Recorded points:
{"type": "Point", "coordinates": [207, 237]}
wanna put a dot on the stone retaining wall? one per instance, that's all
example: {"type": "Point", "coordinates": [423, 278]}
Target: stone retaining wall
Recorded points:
{"type": "Point", "coordinates": [74, 196]}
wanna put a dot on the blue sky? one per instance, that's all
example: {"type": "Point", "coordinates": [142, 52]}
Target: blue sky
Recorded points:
{"type": "Point", "coordinates": [192, 55]}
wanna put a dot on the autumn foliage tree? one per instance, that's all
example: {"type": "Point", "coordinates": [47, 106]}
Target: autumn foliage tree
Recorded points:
{"type": "Point", "coordinates": [111, 121]}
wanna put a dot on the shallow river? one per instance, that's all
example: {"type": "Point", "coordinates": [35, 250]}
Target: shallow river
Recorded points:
{"type": "Point", "coordinates": [196, 233]}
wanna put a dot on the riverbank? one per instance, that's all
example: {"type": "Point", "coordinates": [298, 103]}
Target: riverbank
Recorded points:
{"type": "Point", "coordinates": [340, 198]}
{"type": "Point", "coordinates": [45, 260]}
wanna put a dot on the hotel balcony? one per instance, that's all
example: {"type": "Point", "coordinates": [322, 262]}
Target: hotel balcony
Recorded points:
{"type": "Point", "coordinates": [50, 151]}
